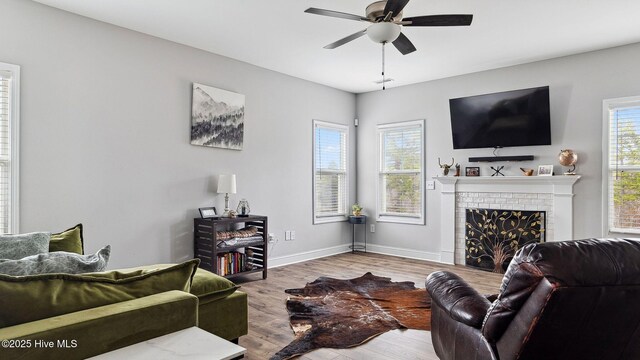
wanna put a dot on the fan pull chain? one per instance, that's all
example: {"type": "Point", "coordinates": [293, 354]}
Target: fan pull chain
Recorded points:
{"type": "Point", "coordinates": [383, 82]}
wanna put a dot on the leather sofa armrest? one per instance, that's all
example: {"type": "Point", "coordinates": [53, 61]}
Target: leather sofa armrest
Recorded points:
{"type": "Point", "coordinates": [459, 300]}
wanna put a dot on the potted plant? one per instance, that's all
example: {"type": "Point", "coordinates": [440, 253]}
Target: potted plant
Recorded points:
{"type": "Point", "coordinates": [356, 209]}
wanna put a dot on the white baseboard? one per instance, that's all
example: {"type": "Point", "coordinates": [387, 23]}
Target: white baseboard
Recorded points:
{"type": "Point", "coordinates": [405, 253]}
{"type": "Point", "coordinates": [307, 255]}
{"type": "Point", "coordinates": [340, 249]}
{"type": "Point", "coordinates": [447, 257]}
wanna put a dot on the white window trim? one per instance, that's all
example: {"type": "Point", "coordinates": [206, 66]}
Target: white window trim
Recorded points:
{"type": "Point", "coordinates": [14, 128]}
{"type": "Point", "coordinates": [401, 219]}
{"type": "Point", "coordinates": [338, 218]}
{"type": "Point", "coordinates": [607, 105]}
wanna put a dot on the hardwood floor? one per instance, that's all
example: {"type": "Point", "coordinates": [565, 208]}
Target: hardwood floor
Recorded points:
{"type": "Point", "coordinates": [269, 329]}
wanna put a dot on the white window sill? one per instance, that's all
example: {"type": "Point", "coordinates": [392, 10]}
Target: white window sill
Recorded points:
{"type": "Point", "coordinates": [615, 232]}
{"type": "Point", "coordinates": [401, 219]}
{"type": "Point", "coordinates": [329, 219]}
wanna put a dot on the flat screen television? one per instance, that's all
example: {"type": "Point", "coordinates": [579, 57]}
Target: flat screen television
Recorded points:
{"type": "Point", "coordinates": [510, 118]}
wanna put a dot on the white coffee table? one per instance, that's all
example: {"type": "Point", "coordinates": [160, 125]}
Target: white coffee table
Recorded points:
{"type": "Point", "coordinates": [192, 343]}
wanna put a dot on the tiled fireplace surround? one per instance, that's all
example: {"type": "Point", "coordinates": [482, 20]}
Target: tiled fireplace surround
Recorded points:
{"type": "Point", "coordinates": [553, 194]}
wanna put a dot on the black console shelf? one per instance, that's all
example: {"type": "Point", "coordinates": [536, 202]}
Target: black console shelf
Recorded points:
{"type": "Point", "coordinates": [501, 158]}
{"type": "Point", "coordinates": [211, 250]}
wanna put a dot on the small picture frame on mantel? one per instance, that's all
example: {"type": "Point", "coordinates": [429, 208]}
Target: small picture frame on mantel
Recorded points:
{"type": "Point", "coordinates": [208, 213]}
{"type": "Point", "coordinates": [545, 170]}
{"type": "Point", "coordinates": [472, 171]}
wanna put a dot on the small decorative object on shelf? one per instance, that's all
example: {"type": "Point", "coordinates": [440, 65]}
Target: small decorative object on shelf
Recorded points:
{"type": "Point", "coordinates": [545, 170]}
{"type": "Point", "coordinates": [356, 209]}
{"type": "Point", "coordinates": [568, 158]}
{"type": "Point", "coordinates": [472, 171]}
{"type": "Point", "coordinates": [457, 170]}
{"type": "Point", "coordinates": [527, 172]}
{"type": "Point", "coordinates": [208, 212]}
{"type": "Point", "coordinates": [243, 208]}
{"type": "Point", "coordinates": [445, 167]}
{"type": "Point", "coordinates": [226, 185]}
{"type": "Point", "coordinates": [497, 170]}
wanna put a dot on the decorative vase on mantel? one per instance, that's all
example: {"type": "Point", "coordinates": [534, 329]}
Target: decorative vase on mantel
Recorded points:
{"type": "Point", "coordinates": [568, 158]}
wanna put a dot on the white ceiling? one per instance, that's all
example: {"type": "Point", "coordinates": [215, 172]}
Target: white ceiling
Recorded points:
{"type": "Point", "coordinates": [278, 35]}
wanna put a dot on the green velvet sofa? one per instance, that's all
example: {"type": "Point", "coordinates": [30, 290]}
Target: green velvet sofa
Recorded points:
{"type": "Point", "coordinates": [66, 316]}
{"type": "Point", "coordinates": [213, 304]}
{"type": "Point", "coordinates": [222, 309]}
{"type": "Point", "coordinates": [91, 332]}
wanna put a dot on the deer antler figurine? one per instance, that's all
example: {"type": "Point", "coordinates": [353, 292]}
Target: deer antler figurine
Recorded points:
{"type": "Point", "coordinates": [445, 168]}
{"type": "Point", "coordinates": [527, 172]}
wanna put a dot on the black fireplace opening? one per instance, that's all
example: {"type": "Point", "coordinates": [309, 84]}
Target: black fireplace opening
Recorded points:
{"type": "Point", "coordinates": [492, 236]}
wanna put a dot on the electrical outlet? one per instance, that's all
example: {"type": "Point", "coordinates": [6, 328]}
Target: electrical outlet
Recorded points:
{"type": "Point", "coordinates": [272, 238]}
{"type": "Point", "coordinates": [293, 235]}
{"type": "Point", "coordinates": [431, 185]}
{"type": "Point", "coordinates": [372, 228]}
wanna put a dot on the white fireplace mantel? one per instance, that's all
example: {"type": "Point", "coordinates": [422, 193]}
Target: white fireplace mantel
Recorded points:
{"type": "Point", "coordinates": [560, 186]}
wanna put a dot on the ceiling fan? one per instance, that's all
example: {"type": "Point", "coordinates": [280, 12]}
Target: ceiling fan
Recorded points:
{"type": "Point", "coordinates": [386, 18]}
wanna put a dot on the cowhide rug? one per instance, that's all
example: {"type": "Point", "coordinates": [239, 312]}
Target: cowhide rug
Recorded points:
{"type": "Point", "coordinates": [334, 313]}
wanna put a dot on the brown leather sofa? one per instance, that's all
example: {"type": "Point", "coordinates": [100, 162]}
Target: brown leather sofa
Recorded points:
{"type": "Point", "coordinates": [559, 300]}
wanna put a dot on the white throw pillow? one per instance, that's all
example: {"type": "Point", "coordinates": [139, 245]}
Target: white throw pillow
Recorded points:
{"type": "Point", "coordinates": [57, 262]}
{"type": "Point", "coordinates": [16, 247]}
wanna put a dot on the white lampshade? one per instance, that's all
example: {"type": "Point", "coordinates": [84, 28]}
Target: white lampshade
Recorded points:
{"type": "Point", "coordinates": [383, 32]}
{"type": "Point", "coordinates": [227, 184]}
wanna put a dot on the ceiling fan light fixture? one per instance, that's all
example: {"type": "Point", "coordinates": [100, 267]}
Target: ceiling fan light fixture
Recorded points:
{"type": "Point", "coordinates": [383, 32]}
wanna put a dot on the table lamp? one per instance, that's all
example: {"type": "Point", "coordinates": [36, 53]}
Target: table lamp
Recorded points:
{"type": "Point", "coordinates": [226, 185]}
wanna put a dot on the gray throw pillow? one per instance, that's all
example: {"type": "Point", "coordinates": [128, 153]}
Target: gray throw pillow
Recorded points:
{"type": "Point", "coordinates": [57, 262]}
{"type": "Point", "coordinates": [16, 247]}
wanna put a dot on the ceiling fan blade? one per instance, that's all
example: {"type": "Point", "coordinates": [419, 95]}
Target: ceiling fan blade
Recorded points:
{"type": "Point", "coordinates": [395, 6]}
{"type": "Point", "coordinates": [346, 39]}
{"type": "Point", "coordinates": [404, 45]}
{"type": "Point", "coordinates": [337, 14]}
{"type": "Point", "coordinates": [438, 20]}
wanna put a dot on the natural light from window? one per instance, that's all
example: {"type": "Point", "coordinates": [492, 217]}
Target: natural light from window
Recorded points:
{"type": "Point", "coordinates": [622, 118]}
{"type": "Point", "coordinates": [9, 116]}
{"type": "Point", "coordinates": [330, 168]}
{"type": "Point", "coordinates": [400, 178]}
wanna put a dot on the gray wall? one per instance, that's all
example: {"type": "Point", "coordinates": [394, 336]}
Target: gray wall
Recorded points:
{"type": "Point", "coordinates": [105, 138]}
{"type": "Point", "coordinates": [578, 84]}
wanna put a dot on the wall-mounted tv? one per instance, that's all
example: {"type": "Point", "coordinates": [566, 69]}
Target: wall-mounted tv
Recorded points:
{"type": "Point", "coordinates": [510, 118]}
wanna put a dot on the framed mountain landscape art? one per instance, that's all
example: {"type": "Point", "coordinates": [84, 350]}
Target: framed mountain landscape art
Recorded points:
{"type": "Point", "coordinates": [217, 118]}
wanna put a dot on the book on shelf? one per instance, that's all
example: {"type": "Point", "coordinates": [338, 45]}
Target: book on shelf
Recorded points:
{"type": "Point", "coordinates": [231, 263]}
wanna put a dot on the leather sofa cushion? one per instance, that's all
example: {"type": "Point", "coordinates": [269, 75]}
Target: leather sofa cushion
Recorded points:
{"type": "Point", "coordinates": [576, 263]}
{"type": "Point", "coordinates": [34, 297]}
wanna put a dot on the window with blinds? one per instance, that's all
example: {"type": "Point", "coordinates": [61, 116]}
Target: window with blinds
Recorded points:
{"type": "Point", "coordinates": [401, 180]}
{"type": "Point", "coordinates": [623, 164]}
{"type": "Point", "coordinates": [9, 82]}
{"type": "Point", "coordinates": [330, 172]}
